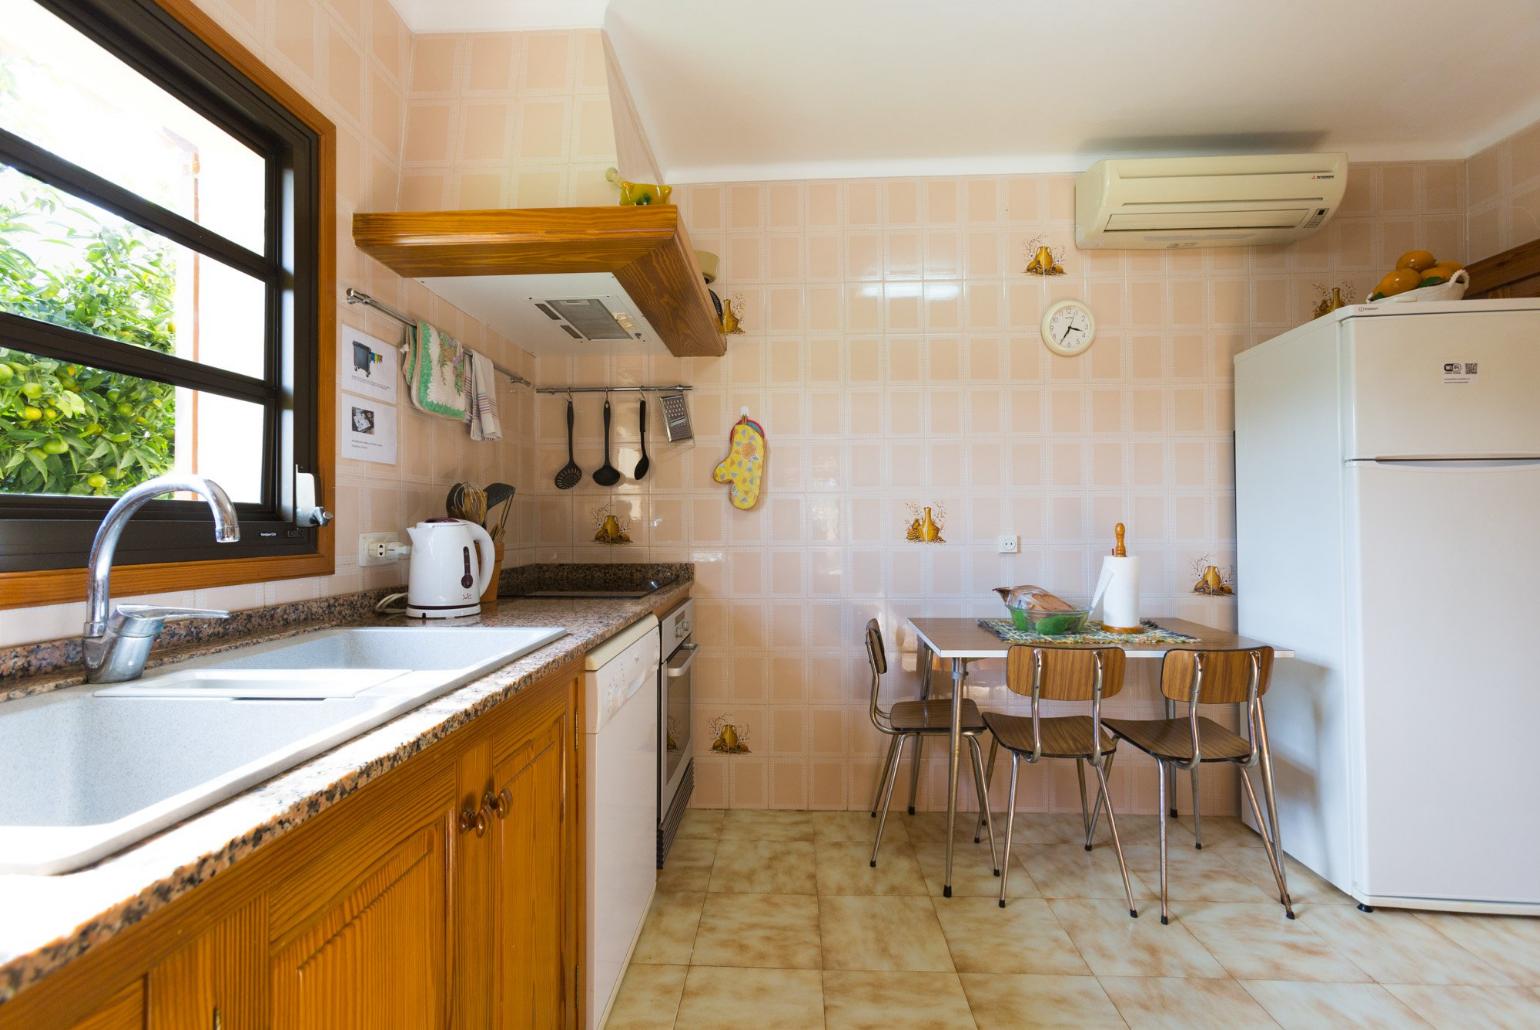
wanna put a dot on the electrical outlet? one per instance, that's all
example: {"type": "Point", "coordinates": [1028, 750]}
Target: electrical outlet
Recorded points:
{"type": "Point", "coordinates": [1010, 543]}
{"type": "Point", "coordinates": [379, 549]}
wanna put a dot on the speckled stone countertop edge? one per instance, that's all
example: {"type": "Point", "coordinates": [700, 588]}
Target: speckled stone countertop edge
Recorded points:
{"type": "Point", "coordinates": [51, 920]}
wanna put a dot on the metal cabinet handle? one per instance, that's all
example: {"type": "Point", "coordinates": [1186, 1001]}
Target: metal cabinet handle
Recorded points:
{"type": "Point", "coordinates": [474, 820]}
{"type": "Point", "coordinates": [502, 804]}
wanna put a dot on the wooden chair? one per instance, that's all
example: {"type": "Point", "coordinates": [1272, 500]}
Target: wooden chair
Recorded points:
{"type": "Point", "coordinates": [915, 720]}
{"type": "Point", "coordinates": [1060, 674]}
{"type": "Point", "coordinates": [1212, 677]}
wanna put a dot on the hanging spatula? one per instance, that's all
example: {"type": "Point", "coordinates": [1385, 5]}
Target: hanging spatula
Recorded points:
{"type": "Point", "coordinates": [646, 462]}
{"type": "Point", "coordinates": [606, 474]}
{"type": "Point", "coordinates": [569, 475]}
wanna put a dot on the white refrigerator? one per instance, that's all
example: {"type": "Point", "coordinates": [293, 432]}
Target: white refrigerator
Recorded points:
{"type": "Point", "coordinates": [1387, 477]}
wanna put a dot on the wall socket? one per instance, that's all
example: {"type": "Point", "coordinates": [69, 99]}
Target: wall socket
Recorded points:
{"type": "Point", "coordinates": [1010, 543]}
{"type": "Point", "coordinates": [379, 549]}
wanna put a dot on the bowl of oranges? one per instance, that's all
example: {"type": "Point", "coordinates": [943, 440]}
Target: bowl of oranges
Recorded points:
{"type": "Point", "coordinates": [1418, 276]}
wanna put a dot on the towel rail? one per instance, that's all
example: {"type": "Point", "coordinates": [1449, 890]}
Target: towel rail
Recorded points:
{"type": "Point", "coordinates": [359, 297]}
{"type": "Point", "coordinates": [676, 388]}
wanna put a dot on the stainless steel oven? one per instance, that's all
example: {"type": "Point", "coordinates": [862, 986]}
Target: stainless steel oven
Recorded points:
{"type": "Point", "coordinates": [676, 771]}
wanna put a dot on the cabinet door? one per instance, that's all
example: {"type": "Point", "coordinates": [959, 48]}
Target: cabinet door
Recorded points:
{"type": "Point", "coordinates": [374, 956]}
{"type": "Point", "coordinates": [123, 1011]}
{"type": "Point", "coordinates": [534, 879]}
{"type": "Point", "coordinates": [215, 980]}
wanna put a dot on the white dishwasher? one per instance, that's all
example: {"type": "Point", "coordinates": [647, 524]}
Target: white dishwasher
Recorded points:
{"type": "Point", "coordinates": [620, 683]}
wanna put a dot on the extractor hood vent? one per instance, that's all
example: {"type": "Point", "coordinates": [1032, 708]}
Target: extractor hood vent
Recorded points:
{"type": "Point", "coordinates": [589, 317]}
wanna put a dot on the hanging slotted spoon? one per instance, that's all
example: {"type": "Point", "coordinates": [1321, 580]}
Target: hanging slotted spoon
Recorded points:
{"type": "Point", "coordinates": [606, 474]}
{"type": "Point", "coordinates": [646, 462]}
{"type": "Point", "coordinates": [570, 475]}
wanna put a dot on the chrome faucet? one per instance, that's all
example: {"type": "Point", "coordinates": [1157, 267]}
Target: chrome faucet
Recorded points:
{"type": "Point", "coordinates": [117, 645]}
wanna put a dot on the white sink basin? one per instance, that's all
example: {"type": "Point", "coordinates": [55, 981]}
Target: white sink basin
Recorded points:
{"type": "Point", "coordinates": [91, 770]}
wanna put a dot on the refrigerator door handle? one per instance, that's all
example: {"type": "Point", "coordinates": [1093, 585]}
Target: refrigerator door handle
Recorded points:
{"type": "Point", "coordinates": [1495, 461]}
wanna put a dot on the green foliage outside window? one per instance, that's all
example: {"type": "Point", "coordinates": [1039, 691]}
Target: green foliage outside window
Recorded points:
{"type": "Point", "coordinates": [66, 428]}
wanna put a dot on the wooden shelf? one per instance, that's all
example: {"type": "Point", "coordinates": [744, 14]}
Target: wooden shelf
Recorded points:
{"type": "Point", "coordinates": [646, 248]}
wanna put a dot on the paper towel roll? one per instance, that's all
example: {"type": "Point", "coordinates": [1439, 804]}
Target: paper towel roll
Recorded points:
{"type": "Point", "coordinates": [1118, 588]}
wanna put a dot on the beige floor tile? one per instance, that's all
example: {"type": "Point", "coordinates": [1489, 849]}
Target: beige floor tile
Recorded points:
{"type": "Point", "coordinates": [1304, 885]}
{"type": "Point", "coordinates": [1308, 1006]}
{"type": "Point", "coordinates": [764, 867]}
{"type": "Point", "coordinates": [1057, 828]}
{"type": "Point", "coordinates": [766, 824]}
{"type": "Point", "coordinates": [1397, 947]}
{"type": "Point", "coordinates": [846, 869]}
{"type": "Point", "coordinates": [927, 827]}
{"type": "Point", "coordinates": [1193, 875]}
{"type": "Point", "coordinates": [1023, 937]}
{"type": "Point", "coordinates": [648, 998]}
{"type": "Point", "coordinates": [688, 867]}
{"type": "Point", "coordinates": [1510, 943]}
{"type": "Point", "coordinates": [1219, 832]}
{"type": "Point", "coordinates": [973, 874]}
{"type": "Point", "coordinates": [1008, 1002]}
{"type": "Point", "coordinates": [855, 827]}
{"type": "Point", "coordinates": [1112, 944]}
{"type": "Point", "coordinates": [701, 822]}
{"type": "Point", "coordinates": [1070, 871]}
{"type": "Point", "coordinates": [766, 931]}
{"type": "Point", "coordinates": [768, 999]}
{"type": "Point", "coordinates": [1184, 1003]}
{"type": "Point", "coordinates": [1257, 942]}
{"type": "Point", "coordinates": [863, 1000]}
{"type": "Point", "coordinates": [668, 935]}
{"type": "Point", "coordinates": [877, 934]}
{"type": "Point", "coordinates": [1464, 1008]}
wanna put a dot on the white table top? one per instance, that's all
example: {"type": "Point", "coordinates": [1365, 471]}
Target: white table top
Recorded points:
{"type": "Point", "coordinates": [966, 639]}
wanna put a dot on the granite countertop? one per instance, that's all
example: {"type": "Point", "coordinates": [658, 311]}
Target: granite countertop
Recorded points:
{"type": "Point", "coordinates": [49, 920]}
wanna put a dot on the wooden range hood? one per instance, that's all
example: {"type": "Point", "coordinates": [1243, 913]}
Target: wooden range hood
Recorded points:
{"type": "Point", "coordinates": [646, 248]}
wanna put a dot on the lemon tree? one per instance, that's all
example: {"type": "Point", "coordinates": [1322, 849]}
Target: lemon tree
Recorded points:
{"type": "Point", "coordinates": [66, 428]}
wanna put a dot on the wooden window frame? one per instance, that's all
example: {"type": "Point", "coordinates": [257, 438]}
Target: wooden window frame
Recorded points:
{"type": "Point", "coordinates": [282, 550]}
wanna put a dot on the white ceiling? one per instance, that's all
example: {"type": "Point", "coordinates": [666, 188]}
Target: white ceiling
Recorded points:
{"type": "Point", "coordinates": [753, 89]}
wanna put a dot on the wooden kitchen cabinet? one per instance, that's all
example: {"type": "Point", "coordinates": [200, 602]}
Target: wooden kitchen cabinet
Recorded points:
{"type": "Point", "coordinates": [388, 909]}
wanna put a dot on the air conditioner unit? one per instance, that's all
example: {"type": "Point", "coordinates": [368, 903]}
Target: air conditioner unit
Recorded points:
{"type": "Point", "coordinates": [1146, 203]}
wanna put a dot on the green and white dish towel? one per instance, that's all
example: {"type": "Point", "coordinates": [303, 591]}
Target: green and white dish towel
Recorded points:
{"type": "Point", "coordinates": [437, 373]}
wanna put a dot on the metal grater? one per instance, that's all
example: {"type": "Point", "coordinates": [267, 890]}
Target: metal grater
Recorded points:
{"type": "Point", "coordinates": [676, 418]}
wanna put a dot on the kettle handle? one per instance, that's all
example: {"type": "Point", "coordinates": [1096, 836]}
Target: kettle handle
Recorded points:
{"type": "Point", "coordinates": [487, 551]}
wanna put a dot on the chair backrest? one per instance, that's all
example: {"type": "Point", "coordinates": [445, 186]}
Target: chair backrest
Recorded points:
{"type": "Point", "coordinates": [874, 650]}
{"type": "Point", "coordinates": [1226, 674]}
{"type": "Point", "coordinates": [1069, 673]}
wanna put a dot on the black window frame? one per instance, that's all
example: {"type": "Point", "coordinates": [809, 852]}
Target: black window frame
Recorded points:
{"type": "Point", "coordinates": [43, 532]}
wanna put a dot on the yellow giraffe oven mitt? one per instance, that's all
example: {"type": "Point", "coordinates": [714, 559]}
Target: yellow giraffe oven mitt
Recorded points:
{"type": "Point", "coordinates": [744, 467]}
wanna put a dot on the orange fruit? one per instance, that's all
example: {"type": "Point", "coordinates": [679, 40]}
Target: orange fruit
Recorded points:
{"type": "Point", "coordinates": [1416, 260]}
{"type": "Point", "coordinates": [1440, 273]}
{"type": "Point", "coordinates": [1399, 281]}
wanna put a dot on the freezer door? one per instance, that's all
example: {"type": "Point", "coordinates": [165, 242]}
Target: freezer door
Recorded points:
{"type": "Point", "coordinates": [1442, 385]}
{"type": "Point", "coordinates": [1442, 607]}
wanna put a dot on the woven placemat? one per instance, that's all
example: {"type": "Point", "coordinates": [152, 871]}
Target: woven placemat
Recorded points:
{"type": "Point", "coordinates": [1152, 634]}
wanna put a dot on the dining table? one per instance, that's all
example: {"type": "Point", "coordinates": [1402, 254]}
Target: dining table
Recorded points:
{"type": "Point", "coordinates": [963, 640]}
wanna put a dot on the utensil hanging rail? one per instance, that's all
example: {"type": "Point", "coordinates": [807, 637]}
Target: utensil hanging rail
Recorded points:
{"type": "Point", "coordinates": [676, 388]}
{"type": "Point", "coordinates": [359, 297]}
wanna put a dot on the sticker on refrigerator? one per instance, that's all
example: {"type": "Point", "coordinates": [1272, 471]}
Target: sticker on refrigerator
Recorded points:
{"type": "Point", "coordinates": [1456, 372]}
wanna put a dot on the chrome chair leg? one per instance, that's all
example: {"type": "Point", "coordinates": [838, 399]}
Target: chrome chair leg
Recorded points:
{"type": "Point", "coordinates": [1170, 773]}
{"type": "Point", "coordinates": [1272, 854]}
{"type": "Point", "coordinates": [887, 762]}
{"type": "Point", "coordinates": [1010, 825]}
{"type": "Point", "coordinates": [1271, 796]}
{"type": "Point", "coordinates": [1117, 843]}
{"type": "Point", "coordinates": [989, 777]}
{"type": "Point", "coordinates": [1085, 809]}
{"type": "Point", "coordinates": [887, 795]}
{"type": "Point", "coordinates": [914, 770]}
{"type": "Point", "coordinates": [1160, 770]}
{"type": "Point", "coordinates": [1096, 807]}
{"type": "Point", "coordinates": [982, 787]}
{"type": "Point", "coordinates": [1197, 817]}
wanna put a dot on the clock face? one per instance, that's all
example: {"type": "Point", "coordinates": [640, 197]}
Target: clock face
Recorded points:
{"type": "Point", "coordinates": [1068, 328]}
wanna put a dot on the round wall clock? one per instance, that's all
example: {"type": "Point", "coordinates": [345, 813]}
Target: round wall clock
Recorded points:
{"type": "Point", "coordinates": [1068, 328]}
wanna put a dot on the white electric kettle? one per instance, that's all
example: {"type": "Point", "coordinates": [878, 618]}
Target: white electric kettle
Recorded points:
{"type": "Point", "coordinates": [452, 562]}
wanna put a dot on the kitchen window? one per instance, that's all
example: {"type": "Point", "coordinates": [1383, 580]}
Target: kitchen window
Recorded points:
{"type": "Point", "coordinates": [161, 290]}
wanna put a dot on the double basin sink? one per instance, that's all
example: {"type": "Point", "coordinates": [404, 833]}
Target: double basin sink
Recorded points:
{"type": "Point", "coordinates": [90, 770]}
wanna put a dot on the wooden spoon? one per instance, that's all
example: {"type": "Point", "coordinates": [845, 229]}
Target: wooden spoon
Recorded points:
{"type": "Point", "coordinates": [606, 474]}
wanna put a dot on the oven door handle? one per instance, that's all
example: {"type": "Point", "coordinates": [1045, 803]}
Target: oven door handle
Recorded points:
{"type": "Point", "coordinates": [675, 671]}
